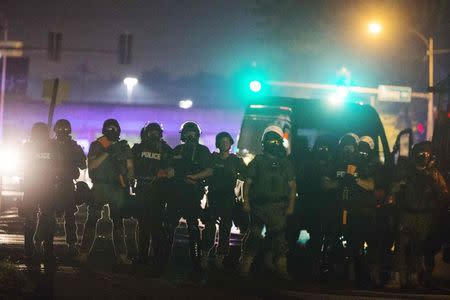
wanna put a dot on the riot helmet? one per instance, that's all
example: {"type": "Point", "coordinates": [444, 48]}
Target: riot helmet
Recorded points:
{"type": "Point", "coordinates": [62, 129]}
{"type": "Point", "coordinates": [324, 147]}
{"type": "Point", "coordinates": [422, 154]}
{"type": "Point", "coordinates": [111, 129]}
{"type": "Point", "coordinates": [272, 141]}
{"type": "Point", "coordinates": [366, 147]}
{"type": "Point", "coordinates": [190, 132]}
{"type": "Point", "coordinates": [348, 145]}
{"type": "Point", "coordinates": [219, 144]}
{"type": "Point", "coordinates": [154, 131]}
{"type": "Point", "coordinates": [39, 132]}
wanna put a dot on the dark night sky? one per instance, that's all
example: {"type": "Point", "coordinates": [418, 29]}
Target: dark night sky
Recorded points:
{"type": "Point", "coordinates": [217, 36]}
{"type": "Point", "coordinates": [181, 37]}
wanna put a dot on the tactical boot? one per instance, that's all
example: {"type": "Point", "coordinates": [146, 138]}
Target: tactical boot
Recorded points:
{"type": "Point", "coordinates": [427, 279]}
{"type": "Point", "coordinates": [82, 258]}
{"type": "Point", "coordinates": [375, 275]}
{"type": "Point", "coordinates": [351, 276]}
{"type": "Point", "coordinates": [268, 262]}
{"type": "Point", "coordinates": [122, 259]}
{"type": "Point", "coordinates": [245, 265]}
{"type": "Point", "coordinates": [281, 268]}
{"type": "Point", "coordinates": [72, 250]}
{"type": "Point", "coordinates": [414, 281]}
{"type": "Point", "coordinates": [32, 263]}
{"type": "Point", "coordinates": [50, 265]}
{"type": "Point", "coordinates": [218, 261]}
{"type": "Point", "coordinates": [204, 259]}
{"type": "Point", "coordinates": [395, 282]}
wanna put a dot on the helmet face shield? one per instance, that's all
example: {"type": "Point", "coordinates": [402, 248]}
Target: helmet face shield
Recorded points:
{"type": "Point", "coordinates": [62, 129]}
{"type": "Point", "coordinates": [112, 133]}
{"type": "Point", "coordinates": [62, 132]}
{"type": "Point", "coordinates": [421, 159]}
{"type": "Point", "coordinates": [190, 132]}
{"type": "Point", "coordinates": [273, 144]}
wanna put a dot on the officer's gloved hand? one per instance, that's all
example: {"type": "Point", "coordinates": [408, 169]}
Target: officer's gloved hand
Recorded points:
{"type": "Point", "coordinates": [113, 148]}
{"type": "Point", "coordinates": [116, 153]}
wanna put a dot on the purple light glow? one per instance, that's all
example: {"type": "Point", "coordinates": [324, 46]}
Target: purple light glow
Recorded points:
{"type": "Point", "coordinates": [87, 119]}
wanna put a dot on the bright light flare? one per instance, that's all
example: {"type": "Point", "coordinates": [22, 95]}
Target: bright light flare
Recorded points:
{"type": "Point", "coordinates": [130, 82]}
{"type": "Point", "coordinates": [9, 161]}
{"type": "Point", "coordinates": [185, 104]}
{"type": "Point", "coordinates": [255, 86]}
{"type": "Point", "coordinates": [338, 97]}
{"type": "Point", "coordinates": [374, 28]}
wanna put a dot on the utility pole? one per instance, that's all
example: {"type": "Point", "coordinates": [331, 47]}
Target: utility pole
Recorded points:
{"type": "Point", "coordinates": [4, 25]}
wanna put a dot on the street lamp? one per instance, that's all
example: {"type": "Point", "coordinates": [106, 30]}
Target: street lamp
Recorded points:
{"type": "Point", "coordinates": [376, 28]}
{"type": "Point", "coordinates": [130, 83]}
{"type": "Point", "coordinates": [185, 104]}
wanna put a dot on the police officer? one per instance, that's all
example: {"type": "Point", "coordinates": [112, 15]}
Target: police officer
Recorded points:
{"type": "Point", "coordinates": [152, 162]}
{"type": "Point", "coordinates": [41, 167]}
{"type": "Point", "coordinates": [189, 158]}
{"type": "Point", "coordinates": [110, 167]}
{"type": "Point", "coordinates": [72, 159]}
{"type": "Point", "coordinates": [318, 205]}
{"type": "Point", "coordinates": [269, 195]}
{"type": "Point", "coordinates": [343, 186]}
{"type": "Point", "coordinates": [361, 206]}
{"type": "Point", "coordinates": [418, 196]}
{"type": "Point", "coordinates": [224, 172]}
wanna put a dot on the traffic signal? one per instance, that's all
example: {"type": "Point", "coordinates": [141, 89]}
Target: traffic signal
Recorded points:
{"type": "Point", "coordinates": [54, 46]}
{"type": "Point", "coordinates": [255, 86]}
{"type": "Point", "coordinates": [420, 128]}
{"type": "Point", "coordinates": [125, 47]}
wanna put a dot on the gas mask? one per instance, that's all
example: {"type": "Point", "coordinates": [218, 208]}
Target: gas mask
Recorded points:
{"type": "Point", "coordinates": [63, 134]}
{"type": "Point", "coordinates": [348, 153]}
{"type": "Point", "coordinates": [153, 137]}
{"type": "Point", "coordinates": [422, 159]}
{"type": "Point", "coordinates": [112, 134]}
{"type": "Point", "coordinates": [190, 137]}
{"type": "Point", "coordinates": [273, 147]}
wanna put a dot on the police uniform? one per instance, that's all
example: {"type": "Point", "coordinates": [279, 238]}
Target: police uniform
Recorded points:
{"type": "Point", "coordinates": [188, 159]}
{"type": "Point", "coordinates": [42, 165]}
{"type": "Point", "coordinates": [109, 187]}
{"type": "Point", "coordinates": [221, 201]}
{"type": "Point", "coordinates": [318, 205]}
{"type": "Point", "coordinates": [72, 159]}
{"type": "Point", "coordinates": [360, 229]}
{"type": "Point", "coordinates": [417, 202]}
{"type": "Point", "coordinates": [151, 161]}
{"type": "Point", "coordinates": [269, 193]}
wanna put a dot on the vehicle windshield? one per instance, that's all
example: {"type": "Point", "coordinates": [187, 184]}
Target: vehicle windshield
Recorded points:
{"type": "Point", "coordinates": [305, 124]}
{"type": "Point", "coordinates": [253, 128]}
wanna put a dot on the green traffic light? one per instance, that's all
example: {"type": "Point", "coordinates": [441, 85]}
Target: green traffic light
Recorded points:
{"type": "Point", "coordinates": [255, 86]}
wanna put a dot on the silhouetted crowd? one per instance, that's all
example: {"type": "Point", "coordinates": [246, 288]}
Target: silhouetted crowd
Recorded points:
{"type": "Point", "coordinates": [364, 218]}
